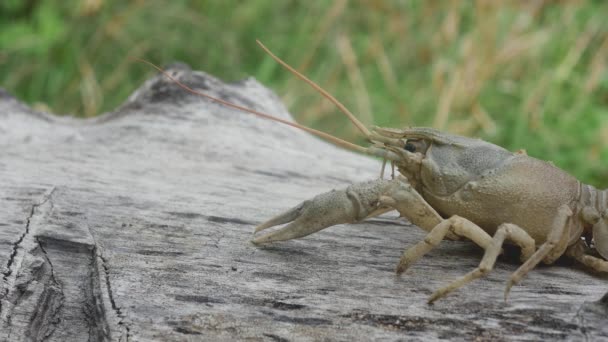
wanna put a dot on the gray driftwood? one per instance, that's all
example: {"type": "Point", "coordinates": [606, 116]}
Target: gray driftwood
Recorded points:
{"type": "Point", "coordinates": [136, 226]}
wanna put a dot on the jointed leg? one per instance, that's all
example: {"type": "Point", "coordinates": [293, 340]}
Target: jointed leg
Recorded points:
{"type": "Point", "coordinates": [504, 232]}
{"type": "Point", "coordinates": [410, 204]}
{"type": "Point", "coordinates": [455, 224]}
{"type": "Point", "coordinates": [577, 251]}
{"type": "Point", "coordinates": [559, 231]}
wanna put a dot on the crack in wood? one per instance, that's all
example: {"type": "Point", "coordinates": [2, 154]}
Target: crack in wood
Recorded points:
{"type": "Point", "coordinates": [121, 316]}
{"type": "Point", "coordinates": [8, 277]}
{"type": "Point", "coordinates": [46, 317]}
{"type": "Point", "coordinates": [51, 271]}
{"type": "Point", "coordinates": [75, 266]}
{"type": "Point", "coordinates": [99, 329]}
{"type": "Point", "coordinates": [103, 267]}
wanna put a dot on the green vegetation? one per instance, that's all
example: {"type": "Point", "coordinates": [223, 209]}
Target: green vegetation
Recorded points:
{"type": "Point", "coordinates": [524, 74]}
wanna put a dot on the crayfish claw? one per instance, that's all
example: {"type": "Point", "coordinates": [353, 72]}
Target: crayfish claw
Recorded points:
{"type": "Point", "coordinates": [283, 218]}
{"type": "Point", "coordinates": [309, 217]}
{"type": "Point", "coordinates": [352, 204]}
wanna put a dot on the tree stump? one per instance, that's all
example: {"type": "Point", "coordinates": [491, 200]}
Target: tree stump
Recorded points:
{"type": "Point", "coordinates": [135, 226]}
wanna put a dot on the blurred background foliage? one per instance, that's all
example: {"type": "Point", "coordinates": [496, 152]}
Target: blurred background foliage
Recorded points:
{"type": "Point", "coordinates": [524, 74]}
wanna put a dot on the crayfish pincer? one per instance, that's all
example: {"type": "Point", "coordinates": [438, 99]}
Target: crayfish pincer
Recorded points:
{"type": "Point", "coordinates": [456, 187]}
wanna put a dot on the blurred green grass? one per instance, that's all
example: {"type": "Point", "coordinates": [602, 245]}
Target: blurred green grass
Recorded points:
{"type": "Point", "coordinates": [523, 74]}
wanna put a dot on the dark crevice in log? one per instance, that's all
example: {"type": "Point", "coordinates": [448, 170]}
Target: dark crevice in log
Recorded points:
{"type": "Point", "coordinates": [94, 310]}
{"type": "Point", "coordinates": [52, 284]}
{"type": "Point", "coordinates": [210, 218]}
{"type": "Point", "coordinates": [10, 273]}
{"type": "Point", "coordinates": [219, 219]}
{"type": "Point", "coordinates": [122, 318]}
{"type": "Point", "coordinates": [45, 319]}
{"type": "Point", "coordinates": [276, 338]}
{"type": "Point", "coordinates": [74, 266]}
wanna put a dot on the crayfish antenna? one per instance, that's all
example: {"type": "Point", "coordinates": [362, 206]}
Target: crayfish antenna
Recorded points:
{"type": "Point", "coordinates": [322, 91]}
{"type": "Point", "coordinates": [320, 134]}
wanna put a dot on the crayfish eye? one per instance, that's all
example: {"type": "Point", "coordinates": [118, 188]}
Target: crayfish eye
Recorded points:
{"type": "Point", "coordinates": [410, 147]}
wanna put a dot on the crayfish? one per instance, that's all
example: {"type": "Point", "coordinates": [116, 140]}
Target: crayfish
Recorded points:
{"type": "Point", "coordinates": [456, 187]}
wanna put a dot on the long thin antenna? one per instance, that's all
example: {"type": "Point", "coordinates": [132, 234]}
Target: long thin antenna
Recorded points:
{"type": "Point", "coordinates": [322, 91]}
{"type": "Point", "coordinates": [320, 134]}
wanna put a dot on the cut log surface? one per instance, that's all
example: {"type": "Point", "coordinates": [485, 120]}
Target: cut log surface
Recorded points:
{"type": "Point", "coordinates": [136, 226]}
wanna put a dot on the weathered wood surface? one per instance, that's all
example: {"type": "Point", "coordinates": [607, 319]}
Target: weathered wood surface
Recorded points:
{"type": "Point", "coordinates": [136, 226]}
